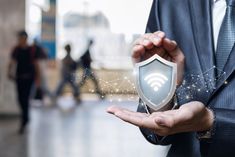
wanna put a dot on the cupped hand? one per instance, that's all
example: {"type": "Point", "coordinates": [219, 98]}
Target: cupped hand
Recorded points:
{"type": "Point", "coordinates": [157, 43]}
{"type": "Point", "coordinates": [193, 116]}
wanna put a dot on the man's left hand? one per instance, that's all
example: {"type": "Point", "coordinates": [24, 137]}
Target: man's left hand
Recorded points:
{"type": "Point", "coordinates": [193, 116]}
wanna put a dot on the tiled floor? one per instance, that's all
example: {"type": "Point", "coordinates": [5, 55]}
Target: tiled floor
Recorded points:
{"type": "Point", "coordinates": [85, 131]}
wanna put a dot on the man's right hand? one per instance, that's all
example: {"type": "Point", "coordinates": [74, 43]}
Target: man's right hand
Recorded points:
{"type": "Point", "coordinates": [156, 43]}
{"type": "Point", "coordinates": [10, 77]}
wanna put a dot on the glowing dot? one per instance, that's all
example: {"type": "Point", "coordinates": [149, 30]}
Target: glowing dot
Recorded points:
{"type": "Point", "coordinates": [226, 82]}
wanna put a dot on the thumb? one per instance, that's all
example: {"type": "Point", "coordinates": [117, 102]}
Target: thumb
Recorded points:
{"type": "Point", "coordinates": [166, 121]}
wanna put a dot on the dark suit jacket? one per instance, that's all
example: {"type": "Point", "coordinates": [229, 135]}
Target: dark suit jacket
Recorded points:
{"type": "Point", "coordinates": [189, 23]}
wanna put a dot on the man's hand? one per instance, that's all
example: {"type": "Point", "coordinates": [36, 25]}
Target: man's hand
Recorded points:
{"type": "Point", "coordinates": [10, 75]}
{"type": "Point", "coordinates": [156, 43]}
{"type": "Point", "coordinates": [193, 116]}
{"type": "Point", "coordinates": [37, 80]}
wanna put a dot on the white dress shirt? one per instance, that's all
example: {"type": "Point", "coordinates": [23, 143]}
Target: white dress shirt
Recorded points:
{"type": "Point", "coordinates": [219, 9]}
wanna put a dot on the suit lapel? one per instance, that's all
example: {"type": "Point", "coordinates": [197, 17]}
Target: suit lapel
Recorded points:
{"type": "Point", "coordinates": [203, 34]}
{"type": "Point", "coordinates": [201, 13]}
{"type": "Point", "coordinates": [228, 70]}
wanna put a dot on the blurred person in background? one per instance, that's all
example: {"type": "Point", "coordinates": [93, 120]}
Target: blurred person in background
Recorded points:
{"type": "Point", "coordinates": [88, 73]}
{"type": "Point", "coordinates": [68, 74]}
{"type": "Point", "coordinates": [27, 72]}
{"type": "Point", "coordinates": [38, 94]}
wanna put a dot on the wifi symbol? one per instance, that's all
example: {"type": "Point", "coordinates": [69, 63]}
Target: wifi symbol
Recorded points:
{"type": "Point", "coordinates": [156, 80]}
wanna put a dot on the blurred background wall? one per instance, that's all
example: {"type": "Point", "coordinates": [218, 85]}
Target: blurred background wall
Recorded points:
{"type": "Point", "coordinates": [12, 19]}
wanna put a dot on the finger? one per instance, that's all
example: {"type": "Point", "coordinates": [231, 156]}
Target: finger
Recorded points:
{"type": "Point", "coordinates": [136, 119]}
{"type": "Point", "coordinates": [150, 40]}
{"type": "Point", "coordinates": [156, 38]}
{"type": "Point", "coordinates": [130, 118]}
{"type": "Point", "coordinates": [135, 113]}
{"type": "Point", "coordinates": [147, 55]}
{"type": "Point", "coordinates": [161, 52]}
{"type": "Point", "coordinates": [115, 109]}
{"type": "Point", "coordinates": [138, 52]}
{"type": "Point", "coordinates": [169, 45]}
{"type": "Point", "coordinates": [140, 46]}
{"type": "Point", "coordinates": [140, 40]}
{"type": "Point", "coordinates": [165, 55]}
{"type": "Point", "coordinates": [174, 51]}
{"type": "Point", "coordinates": [160, 34]}
{"type": "Point", "coordinates": [162, 113]}
{"type": "Point", "coordinates": [165, 120]}
{"type": "Point", "coordinates": [158, 50]}
{"type": "Point", "coordinates": [147, 42]}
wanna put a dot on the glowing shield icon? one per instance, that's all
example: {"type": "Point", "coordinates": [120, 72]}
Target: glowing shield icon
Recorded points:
{"type": "Point", "coordinates": [156, 82]}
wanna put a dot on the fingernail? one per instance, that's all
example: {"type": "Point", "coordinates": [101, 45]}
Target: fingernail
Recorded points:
{"type": "Point", "coordinates": [168, 40]}
{"type": "Point", "coordinates": [156, 40]}
{"type": "Point", "coordinates": [145, 42]}
{"type": "Point", "coordinates": [161, 34]}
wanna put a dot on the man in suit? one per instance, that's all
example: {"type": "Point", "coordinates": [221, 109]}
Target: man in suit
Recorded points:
{"type": "Point", "coordinates": [199, 36]}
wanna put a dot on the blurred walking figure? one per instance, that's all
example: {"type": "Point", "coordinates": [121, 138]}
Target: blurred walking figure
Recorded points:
{"type": "Point", "coordinates": [68, 74]}
{"type": "Point", "coordinates": [27, 71]}
{"type": "Point", "coordinates": [39, 93]}
{"type": "Point", "coordinates": [88, 73]}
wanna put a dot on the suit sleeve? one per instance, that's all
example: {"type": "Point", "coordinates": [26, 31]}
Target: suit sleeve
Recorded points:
{"type": "Point", "coordinates": [223, 134]}
{"type": "Point", "coordinates": [153, 24]}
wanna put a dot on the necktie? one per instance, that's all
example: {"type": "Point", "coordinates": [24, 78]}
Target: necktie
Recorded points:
{"type": "Point", "coordinates": [226, 37]}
